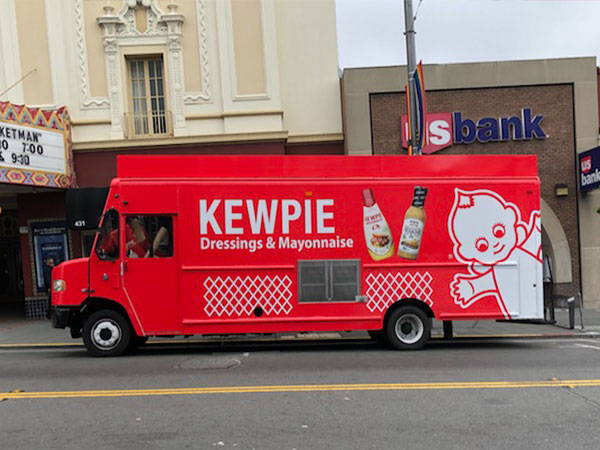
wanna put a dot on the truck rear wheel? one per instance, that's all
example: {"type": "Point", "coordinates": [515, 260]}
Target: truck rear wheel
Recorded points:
{"type": "Point", "coordinates": [408, 328]}
{"type": "Point", "coordinates": [106, 333]}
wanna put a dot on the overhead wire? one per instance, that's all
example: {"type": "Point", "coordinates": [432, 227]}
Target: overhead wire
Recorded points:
{"type": "Point", "coordinates": [417, 10]}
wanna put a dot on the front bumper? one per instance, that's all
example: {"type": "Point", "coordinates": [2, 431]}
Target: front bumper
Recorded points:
{"type": "Point", "coordinates": [61, 316]}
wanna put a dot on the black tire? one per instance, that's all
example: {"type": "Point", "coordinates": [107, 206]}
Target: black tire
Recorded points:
{"type": "Point", "coordinates": [408, 328]}
{"type": "Point", "coordinates": [106, 333]}
{"type": "Point", "coordinates": [378, 336]}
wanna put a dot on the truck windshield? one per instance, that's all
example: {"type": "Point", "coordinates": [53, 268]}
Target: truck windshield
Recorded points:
{"type": "Point", "coordinates": [107, 245]}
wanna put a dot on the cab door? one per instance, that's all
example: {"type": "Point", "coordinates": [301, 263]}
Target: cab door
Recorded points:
{"type": "Point", "coordinates": [104, 267]}
{"type": "Point", "coordinates": [149, 275]}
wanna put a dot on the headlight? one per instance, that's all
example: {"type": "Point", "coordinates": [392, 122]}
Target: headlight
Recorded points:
{"type": "Point", "coordinates": [59, 285]}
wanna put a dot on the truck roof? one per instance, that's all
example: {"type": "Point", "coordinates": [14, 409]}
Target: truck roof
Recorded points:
{"type": "Point", "coordinates": [329, 166]}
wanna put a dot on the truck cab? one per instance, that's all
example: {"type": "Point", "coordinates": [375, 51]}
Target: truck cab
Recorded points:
{"type": "Point", "coordinates": [123, 291]}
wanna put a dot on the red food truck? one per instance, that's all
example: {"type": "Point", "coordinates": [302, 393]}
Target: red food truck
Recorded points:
{"type": "Point", "coordinates": [197, 245]}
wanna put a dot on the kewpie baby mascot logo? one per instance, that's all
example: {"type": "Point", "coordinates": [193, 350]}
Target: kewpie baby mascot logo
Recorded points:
{"type": "Point", "coordinates": [487, 231]}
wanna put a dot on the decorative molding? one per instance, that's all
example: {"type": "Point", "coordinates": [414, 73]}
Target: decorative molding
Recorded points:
{"type": "Point", "coordinates": [250, 97]}
{"type": "Point", "coordinates": [269, 57]}
{"type": "Point", "coordinates": [88, 122]}
{"type": "Point", "coordinates": [193, 98]}
{"type": "Point", "coordinates": [248, 113]}
{"type": "Point", "coordinates": [55, 28]}
{"type": "Point", "coordinates": [87, 101]}
{"type": "Point", "coordinates": [232, 98]}
{"type": "Point", "coordinates": [234, 88]}
{"type": "Point", "coordinates": [127, 27]}
{"type": "Point", "coordinates": [161, 28]}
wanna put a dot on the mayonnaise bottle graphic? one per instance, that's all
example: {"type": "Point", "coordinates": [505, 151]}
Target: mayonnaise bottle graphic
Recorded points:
{"type": "Point", "coordinates": [378, 236]}
{"type": "Point", "coordinates": [414, 223]}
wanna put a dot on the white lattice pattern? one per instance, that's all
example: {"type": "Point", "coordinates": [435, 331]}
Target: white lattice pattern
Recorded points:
{"type": "Point", "coordinates": [385, 288]}
{"type": "Point", "coordinates": [238, 296]}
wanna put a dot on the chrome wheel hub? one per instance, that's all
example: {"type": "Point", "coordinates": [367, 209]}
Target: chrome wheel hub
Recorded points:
{"type": "Point", "coordinates": [409, 329]}
{"type": "Point", "coordinates": [106, 334]}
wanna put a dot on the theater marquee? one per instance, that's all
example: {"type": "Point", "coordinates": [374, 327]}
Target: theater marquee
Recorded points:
{"type": "Point", "coordinates": [35, 146]}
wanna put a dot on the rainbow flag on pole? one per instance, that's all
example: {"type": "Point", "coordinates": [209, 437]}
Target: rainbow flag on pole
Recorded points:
{"type": "Point", "coordinates": [408, 99]}
{"type": "Point", "coordinates": [421, 105]}
{"type": "Point", "coordinates": [415, 144]}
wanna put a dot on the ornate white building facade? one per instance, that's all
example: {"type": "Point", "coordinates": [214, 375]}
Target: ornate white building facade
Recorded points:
{"type": "Point", "coordinates": [162, 76]}
{"type": "Point", "coordinates": [256, 69]}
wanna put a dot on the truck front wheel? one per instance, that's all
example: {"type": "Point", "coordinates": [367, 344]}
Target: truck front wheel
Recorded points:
{"type": "Point", "coordinates": [106, 333]}
{"type": "Point", "coordinates": [408, 328]}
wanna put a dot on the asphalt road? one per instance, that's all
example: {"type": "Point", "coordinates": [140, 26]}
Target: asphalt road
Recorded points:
{"type": "Point", "coordinates": [348, 395]}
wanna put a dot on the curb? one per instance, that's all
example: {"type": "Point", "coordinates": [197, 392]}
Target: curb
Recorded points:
{"type": "Point", "coordinates": [308, 338]}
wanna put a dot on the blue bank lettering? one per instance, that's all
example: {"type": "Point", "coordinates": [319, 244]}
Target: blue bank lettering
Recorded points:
{"type": "Point", "coordinates": [533, 129]}
{"type": "Point", "coordinates": [465, 131]}
{"type": "Point", "coordinates": [512, 128]}
{"type": "Point", "coordinates": [489, 129]}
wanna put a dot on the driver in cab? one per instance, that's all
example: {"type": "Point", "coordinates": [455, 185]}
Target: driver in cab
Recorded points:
{"type": "Point", "coordinates": [137, 241]}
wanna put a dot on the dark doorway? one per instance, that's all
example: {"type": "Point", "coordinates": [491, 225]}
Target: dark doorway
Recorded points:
{"type": "Point", "coordinates": [11, 272]}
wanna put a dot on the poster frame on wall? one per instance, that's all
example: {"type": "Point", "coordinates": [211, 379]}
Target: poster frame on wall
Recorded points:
{"type": "Point", "coordinates": [49, 247]}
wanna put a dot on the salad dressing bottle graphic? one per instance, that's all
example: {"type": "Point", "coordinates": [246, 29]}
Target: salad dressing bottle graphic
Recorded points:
{"type": "Point", "coordinates": [378, 236]}
{"type": "Point", "coordinates": [414, 223]}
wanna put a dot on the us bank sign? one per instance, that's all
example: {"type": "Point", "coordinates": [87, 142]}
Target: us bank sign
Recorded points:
{"type": "Point", "coordinates": [445, 129]}
{"type": "Point", "coordinates": [589, 170]}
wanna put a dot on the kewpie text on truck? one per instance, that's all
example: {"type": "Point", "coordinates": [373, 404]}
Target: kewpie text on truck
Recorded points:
{"type": "Point", "coordinates": [221, 245]}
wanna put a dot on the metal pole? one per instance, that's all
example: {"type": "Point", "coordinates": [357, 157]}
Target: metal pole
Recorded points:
{"type": "Point", "coordinates": [411, 66]}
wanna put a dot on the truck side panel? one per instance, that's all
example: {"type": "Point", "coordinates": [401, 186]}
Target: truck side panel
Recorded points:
{"type": "Point", "coordinates": [250, 248]}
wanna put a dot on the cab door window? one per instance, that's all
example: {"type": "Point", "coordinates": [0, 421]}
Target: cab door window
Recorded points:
{"type": "Point", "coordinates": [149, 236]}
{"type": "Point", "coordinates": [107, 244]}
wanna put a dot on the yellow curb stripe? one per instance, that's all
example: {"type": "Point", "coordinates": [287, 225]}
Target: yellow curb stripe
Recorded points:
{"type": "Point", "coordinates": [41, 344]}
{"type": "Point", "coordinates": [303, 388]}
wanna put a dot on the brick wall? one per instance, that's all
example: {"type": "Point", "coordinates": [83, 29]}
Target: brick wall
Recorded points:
{"type": "Point", "coordinates": [556, 155]}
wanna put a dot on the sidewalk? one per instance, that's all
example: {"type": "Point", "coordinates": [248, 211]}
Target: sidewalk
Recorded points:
{"type": "Point", "coordinates": [15, 329]}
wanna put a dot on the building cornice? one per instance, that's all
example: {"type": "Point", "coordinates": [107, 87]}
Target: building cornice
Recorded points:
{"type": "Point", "coordinates": [314, 138]}
{"type": "Point", "coordinates": [120, 144]}
{"type": "Point", "coordinates": [171, 141]}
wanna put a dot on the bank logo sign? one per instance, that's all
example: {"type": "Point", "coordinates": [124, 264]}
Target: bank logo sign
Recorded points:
{"type": "Point", "coordinates": [445, 129]}
{"type": "Point", "coordinates": [589, 170]}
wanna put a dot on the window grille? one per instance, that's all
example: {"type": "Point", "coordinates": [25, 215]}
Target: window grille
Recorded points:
{"type": "Point", "coordinates": [328, 280]}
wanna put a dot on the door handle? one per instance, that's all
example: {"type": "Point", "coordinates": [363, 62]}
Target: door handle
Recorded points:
{"type": "Point", "coordinates": [123, 267]}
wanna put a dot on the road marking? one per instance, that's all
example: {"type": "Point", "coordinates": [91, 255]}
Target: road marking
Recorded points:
{"type": "Point", "coordinates": [509, 335]}
{"type": "Point", "coordinates": [587, 346]}
{"type": "Point", "coordinates": [594, 341]}
{"type": "Point", "coordinates": [304, 388]}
